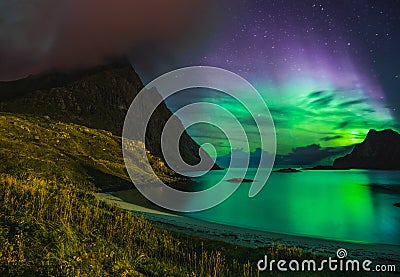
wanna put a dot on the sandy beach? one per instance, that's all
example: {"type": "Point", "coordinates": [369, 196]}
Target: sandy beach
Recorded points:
{"type": "Point", "coordinates": [389, 254]}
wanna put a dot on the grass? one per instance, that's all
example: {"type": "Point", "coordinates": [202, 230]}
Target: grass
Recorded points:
{"type": "Point", "coordinates": [41, 147]}
{"type": "Point", "coordinates": [54, 228]}
{"type": "Point", "coordinates": [51, 223]}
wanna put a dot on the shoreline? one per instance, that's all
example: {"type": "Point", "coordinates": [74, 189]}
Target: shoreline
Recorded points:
{"type": "Point", "coordinates": [383, 253]}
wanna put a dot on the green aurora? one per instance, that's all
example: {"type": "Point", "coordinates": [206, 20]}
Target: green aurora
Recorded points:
{"type": "Point", "coordinates": [303, 114]}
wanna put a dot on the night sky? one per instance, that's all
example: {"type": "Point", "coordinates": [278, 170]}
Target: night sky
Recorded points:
{"type": "Point", "coordinates": [328, 70]}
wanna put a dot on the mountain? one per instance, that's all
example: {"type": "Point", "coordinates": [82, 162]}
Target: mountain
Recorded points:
{"type": "Point", "coordinates": [39, 147]}
{"type": "Point", "coordinates": [379, 150]}
{"type": "Point", "coordinates": [97, 97]}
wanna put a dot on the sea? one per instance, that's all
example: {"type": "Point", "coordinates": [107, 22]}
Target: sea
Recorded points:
{"type": "Point", "coordinates": [343, 205]}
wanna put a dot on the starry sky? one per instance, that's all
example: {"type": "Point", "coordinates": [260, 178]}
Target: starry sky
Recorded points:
{"type": "Point", "coordinates": [328, 71]}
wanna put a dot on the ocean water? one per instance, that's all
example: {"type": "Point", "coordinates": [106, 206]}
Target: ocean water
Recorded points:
{"type": "Point", "coordinates": [353, 205]}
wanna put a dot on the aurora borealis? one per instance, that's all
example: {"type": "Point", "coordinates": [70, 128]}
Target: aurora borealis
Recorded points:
{"type": "Point", "coordinates": [328, 70]}
{"type": "Point", "coordinates": [319, 65]}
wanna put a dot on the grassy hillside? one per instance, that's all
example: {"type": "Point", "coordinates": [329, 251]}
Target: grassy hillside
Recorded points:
{"type": "Point", "coordinates": [51, 224]}
{"type": "Point", "coordinates": [53, 228]}
{"type": "Point", "coordinates": [38, 146]}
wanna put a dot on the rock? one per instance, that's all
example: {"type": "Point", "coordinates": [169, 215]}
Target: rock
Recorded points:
{"type": "Point", "coordinates": [379, 150]}
{"type": "Point", "coordinates": [240, 180]}
{"type": "Point", "coordinates": [287, 170]}
{"type": "Point", "coordinates": [385, 188]}
{"type": "Point", "coordinates": [323, 167]}
{"type": "Point", "coordinates": [96, 97]}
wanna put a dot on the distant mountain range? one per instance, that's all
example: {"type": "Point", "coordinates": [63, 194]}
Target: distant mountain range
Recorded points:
{"type": "Point", "coordinates": [379, 150]}
{"type": "Point", "coordinates": [97, 97]}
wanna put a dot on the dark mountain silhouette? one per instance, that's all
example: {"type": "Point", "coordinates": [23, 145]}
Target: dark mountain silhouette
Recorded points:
{"type": "Point", "coordinates": [379, 150]}
{"type": "Point", "coordinates": [97, 97]}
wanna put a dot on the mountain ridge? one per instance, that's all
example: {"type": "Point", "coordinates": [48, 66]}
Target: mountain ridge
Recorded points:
{"type": "Point", "coordinates": [379, 150]}
{"type": "Point", "coordinates": [96, 97]}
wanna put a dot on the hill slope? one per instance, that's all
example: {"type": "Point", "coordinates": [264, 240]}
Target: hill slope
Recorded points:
{"type": "Point", "coordinates": [379, 150]}
{"type": "Point", "coordinates": [97, 97]}
{"type": "Point", "coordinates": [46, 148]}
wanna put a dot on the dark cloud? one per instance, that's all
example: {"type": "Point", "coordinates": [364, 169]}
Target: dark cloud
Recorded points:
{"type": "Point", "coordinates": [351, 103]}
{"type": "Point", "coordinates": [322, 101]}
{"type": "Point", "coordinates": [317, 93]}
{"type": "Point", "coordinates": [368, 110]}
{"type": "Point", "coordinates": [328, 138]}
{"type": "Point", "coordinates": [275, 110]}
{"type": "Point", "coordinates": [37, 36]}
{"type": "Point", "coordinates": [254, 160]}
{"type": "Point", "coordinates": [300, 156]}
{"type": "Point", "coordinates": [310, 155]}
{"type": "Point", "coordinates": [342, 124]}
